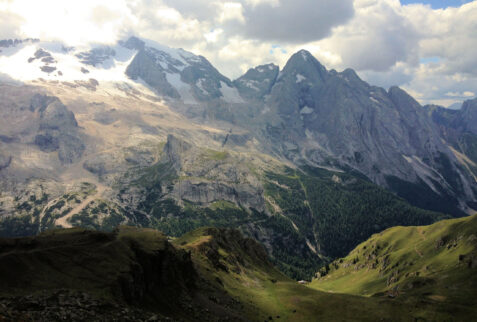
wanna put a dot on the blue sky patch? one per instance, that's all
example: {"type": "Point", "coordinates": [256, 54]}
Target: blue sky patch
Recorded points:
{"type": "Point", "coordinates": [278, 47]}
{"type": "Point", "coordinates": [427, 60]}
{"type": "Point", "coordinates": [438, 4]}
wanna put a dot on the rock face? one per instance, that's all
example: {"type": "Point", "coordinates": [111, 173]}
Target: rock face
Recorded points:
{"type": "Point", "coordinates": [143, 66]}
{"type": "Point", "coordinates": [469, 115]}
{"type": "Point", "coordinates": [174, 150]}
{"type": "Point", "coordinates": [336, 119]}
{"type": "Point", "coordinates": [96, 56]}
{"type": "Point", "coordinates": [57, 128]}
{"type": "Point", "coordinates": [209, 176]}
{"type": "Point", "coordinates": [175, 74]}
{"type": "Point", "coordinates": [463, 120]}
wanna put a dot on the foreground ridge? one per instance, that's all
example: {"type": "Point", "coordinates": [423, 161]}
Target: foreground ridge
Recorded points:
{"type": "Point", "coordinates": [135, 274]}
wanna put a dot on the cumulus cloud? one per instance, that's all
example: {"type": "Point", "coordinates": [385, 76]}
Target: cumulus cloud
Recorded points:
{"type": "Point", "coordinates": [378, 37]}
{"type": "Point", "coordinates": [294, 21]}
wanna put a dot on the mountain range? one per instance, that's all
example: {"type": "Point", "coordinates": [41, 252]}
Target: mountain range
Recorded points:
{"type": "Point", "coordinates": [308, 161]}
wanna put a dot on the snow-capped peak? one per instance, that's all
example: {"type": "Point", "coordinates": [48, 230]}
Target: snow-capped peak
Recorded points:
{"type": "Point", "coordinates": [169, 72]}
{"type": "Point", "coordinates": [53, 61]}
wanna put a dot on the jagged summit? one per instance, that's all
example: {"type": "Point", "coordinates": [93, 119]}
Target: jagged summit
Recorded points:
{"type": "Point", "coordinates": [257, 82]}
{"type": "Point", "coordinates": [133, 42]}
{"type": "Point", "coordinates": [303, 65]}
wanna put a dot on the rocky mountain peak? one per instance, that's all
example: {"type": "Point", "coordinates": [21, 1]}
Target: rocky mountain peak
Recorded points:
{"type": "Point", "coordinates": [133, 43]}
{"type": "Point", "coordinates": [350, 75]}
{"type": "Point", "coordinates": [303, 65]}
{"type": "Point", "coordinates": [177, 73]}
{"type": "Point", "coordinates": [257, 82]}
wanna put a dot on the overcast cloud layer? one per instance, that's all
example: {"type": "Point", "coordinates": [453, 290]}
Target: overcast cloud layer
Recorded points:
{"type": "Point", "coordinates": [431, 53]}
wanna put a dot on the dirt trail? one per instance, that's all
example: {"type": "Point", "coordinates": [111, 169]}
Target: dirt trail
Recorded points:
{"type": "Point", "coordinates": [63, 221]}
{"type": "Point", "coordinates": [420, 230]}
{"type": "Point", "coordinates": [418, 252]}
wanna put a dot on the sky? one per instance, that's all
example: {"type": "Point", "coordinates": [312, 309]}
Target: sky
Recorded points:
{"type": "Point", "coordinates": [429, 48]}
{"type": "Point", "coordinates": [437, 4]}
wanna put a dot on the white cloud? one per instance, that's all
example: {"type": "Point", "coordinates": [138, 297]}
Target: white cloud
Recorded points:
{"type": "Point", "coordinates": [463, 94]}
{"type": "Point", "coordinates": [169, 16]}
{"type": "Point", "coordinates": [255, 3]}
{"type": "Point", "coordinates": [213, 36]}
{"type": "Point", "coordinates": [232, 11]}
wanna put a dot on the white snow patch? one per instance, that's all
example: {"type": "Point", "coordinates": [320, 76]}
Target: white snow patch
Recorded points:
{"type": "Point", "coordinates": [200, 85]}
{"type": "Point", "coordinates": [306, 110]}
{"type": "Point", "coordinates": [300, 78]}
{"type": "Point", "coordinates": [374, 100]}
{"type": "Point", "coordinates": [178, 54]}
{"type": "Point", "coordinates": [230, 94]}
{"type": "Point", "coordinates": [184, 89]}
{"type": "Point", "coordinates": [266, 110]}
{"type": "Point", "coordinates": [189, 56]}
{"type": "Point", "coordinates": [309, 134]}
{"type": "Point", "coordinates": [18, 67]}
{"type": "Point", "coordinates": [250, 84]}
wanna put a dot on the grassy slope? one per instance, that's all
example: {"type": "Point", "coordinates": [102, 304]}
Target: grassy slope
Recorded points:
{"type": "Point", "coordinates": [265, 292]}
{"type": "Point", "coordinates": [435, 264]}
{"type": "Point", "coordinates": [209, 274]}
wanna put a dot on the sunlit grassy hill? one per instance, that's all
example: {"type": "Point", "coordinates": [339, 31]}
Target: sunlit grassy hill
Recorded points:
{"type": "Point", "coordinates": [428, 264]}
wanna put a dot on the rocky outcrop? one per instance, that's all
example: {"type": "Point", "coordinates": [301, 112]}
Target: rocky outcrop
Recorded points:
{"type": "Point", "coordinates": [243, 252]}
{"type": "Point", "coordinates": [174, 151]}
{"type": "Point", "coordinates": [58, 129]}
{"type": "Point", "coordinates": [96, 56]}
{"type": "Point", "coordinates": [205, 193]}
